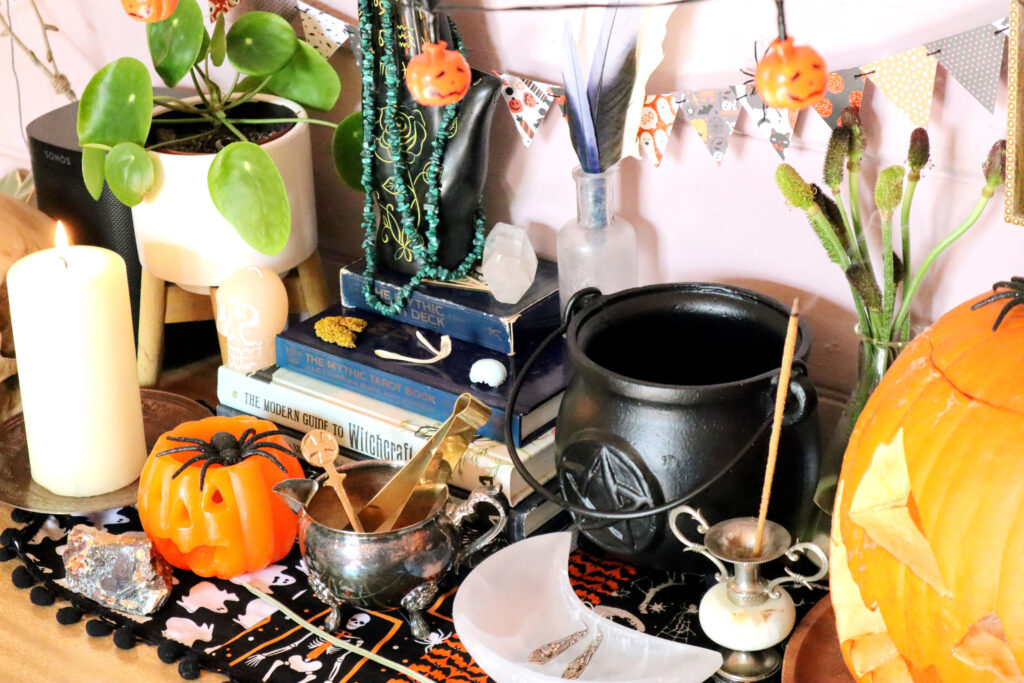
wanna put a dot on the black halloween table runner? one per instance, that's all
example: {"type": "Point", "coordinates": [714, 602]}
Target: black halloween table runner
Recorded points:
{"type": "Point", "coordinates": [218, 625]}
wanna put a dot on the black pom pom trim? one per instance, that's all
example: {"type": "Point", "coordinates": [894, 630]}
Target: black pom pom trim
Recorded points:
{"type": "Point", "coordinates": [188, 669]}
{"type": "Point", "coordinates": [170, 651]}
{"type": "Point", "coordinates": [124, 638]}
{"type": "Point", "coordinates": [21, 578]}
{"type": "Point", "coordinates": [6, 554]}
{"type": "Point", "coordinates": [20, 516]}
{"type": "Point", "coordinates": [42, 597]}
{"type": "Point", "coordinates": [98, 628]}
{"type": "Point", "coordinates": [7, 538]}
{"type": "Point", "coordinates": [69, 615]}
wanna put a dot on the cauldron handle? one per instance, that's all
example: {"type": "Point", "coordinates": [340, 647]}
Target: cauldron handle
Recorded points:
{"type": "Point", "coordinates": [579, 300]}
{"type": "Point", "coordinates": [801, 392]}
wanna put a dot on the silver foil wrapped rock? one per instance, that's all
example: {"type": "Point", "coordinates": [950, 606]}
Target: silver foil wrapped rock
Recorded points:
{"type": "Point", "coordinates": [119, 571]}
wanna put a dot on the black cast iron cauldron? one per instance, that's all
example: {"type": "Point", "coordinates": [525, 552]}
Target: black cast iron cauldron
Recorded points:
{"type": "Point", "coordinates": [671, 401]}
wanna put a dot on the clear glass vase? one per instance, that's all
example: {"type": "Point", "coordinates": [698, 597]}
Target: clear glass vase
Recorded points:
{"type": "Point", "coordinates": [874, 359]}
{"type": "Point", "coordinates": [598, 248]}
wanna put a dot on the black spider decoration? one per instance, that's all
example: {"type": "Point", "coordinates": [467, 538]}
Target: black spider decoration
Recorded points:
{"type": "Point", "coordinates": [224, 449]}
{"type": "Point", "coordinates": [1014, 292]}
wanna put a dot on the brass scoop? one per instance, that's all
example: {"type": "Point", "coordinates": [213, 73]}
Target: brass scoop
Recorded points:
{"type": "Point", "coordinates": [431, 467]}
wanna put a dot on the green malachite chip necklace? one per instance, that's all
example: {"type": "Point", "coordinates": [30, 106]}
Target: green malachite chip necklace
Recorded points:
{"type": "Point", "coordinates": [426, 254]}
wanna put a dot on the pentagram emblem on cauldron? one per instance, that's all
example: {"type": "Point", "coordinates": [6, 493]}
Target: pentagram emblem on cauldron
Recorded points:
{"type": "Point", "coordinates": [602, 477]}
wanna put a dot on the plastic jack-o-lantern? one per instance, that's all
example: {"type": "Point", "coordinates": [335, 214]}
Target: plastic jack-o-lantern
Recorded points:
{"type": "Point", "coordinates": [206, 498]}
{"type": "Point", "coordinates": [790, 76]}
{"type": "Point", "coordinates": [149, 11]}
{"type": "Point", "coordinates": [438, 76]}
{"type": "Point", "coordinates": [928, 532]}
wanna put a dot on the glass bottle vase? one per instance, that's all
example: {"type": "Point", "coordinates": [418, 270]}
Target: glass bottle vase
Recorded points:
{"type": "Point", "coordinates": [875, 357]}
{"type": "Point", "coordinates": [598, 248]}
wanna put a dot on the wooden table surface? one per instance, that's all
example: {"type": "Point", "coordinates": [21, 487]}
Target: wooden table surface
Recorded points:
{"type": "Point", "coordinates": [35, 648]}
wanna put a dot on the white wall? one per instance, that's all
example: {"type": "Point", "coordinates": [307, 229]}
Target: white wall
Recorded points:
{"type": "Point", "coordinates": [696, 221]}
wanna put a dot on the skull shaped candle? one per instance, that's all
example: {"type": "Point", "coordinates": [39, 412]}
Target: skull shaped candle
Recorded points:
{"type": "Point", "coordinates": [252, 307]}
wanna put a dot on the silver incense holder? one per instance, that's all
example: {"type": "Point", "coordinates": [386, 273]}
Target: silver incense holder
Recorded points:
{"type": "Point", "coordinates": [744, 613]}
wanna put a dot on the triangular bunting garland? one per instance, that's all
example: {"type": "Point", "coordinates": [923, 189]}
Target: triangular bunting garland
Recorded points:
{"type": "Point", "coordinates": [844, 88]}
{"type": "Point", "coordinates": [528, 102]}
{"type": "Point", "coordinates": [908, 79]}
{"type": "Point", "coordinates": [656, 120]}
{"type": "Point", "coordinates": [286, 8]}
{"type": "Point", "coordinates": [713, 114]}
{"type": "Point", "coordinates": [772, 124]}
{"type": "Point", "coordinates": [974, 58]}
{"type": "Point", "coordinates": [559, 93]}
{"type": "Point", "coordinates": [323, 32]}
{"type": "Point", "coordinates": [218, 7]}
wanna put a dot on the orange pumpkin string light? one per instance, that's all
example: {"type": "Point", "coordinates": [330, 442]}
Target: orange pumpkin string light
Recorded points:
{"type": "Point", "coordinates": [149, 11]}
{"type": "Point", "coordinates": [438, 76]}
{"type": "Point", "coordinates": [790, 76]}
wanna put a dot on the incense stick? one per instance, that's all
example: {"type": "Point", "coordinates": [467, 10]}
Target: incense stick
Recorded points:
{"type": "Point", "coordinates": [788, 349]}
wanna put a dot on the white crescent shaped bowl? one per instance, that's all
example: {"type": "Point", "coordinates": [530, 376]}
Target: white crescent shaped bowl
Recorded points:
{"type": "Point", "coordinates": [520, 598]}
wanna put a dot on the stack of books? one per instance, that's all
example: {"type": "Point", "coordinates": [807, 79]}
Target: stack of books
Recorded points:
{"type": "Point", "coordinates": [387, 409]}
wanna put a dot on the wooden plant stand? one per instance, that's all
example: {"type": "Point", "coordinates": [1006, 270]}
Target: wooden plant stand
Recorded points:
{"type": "Point", "coordinates": [164, 302]}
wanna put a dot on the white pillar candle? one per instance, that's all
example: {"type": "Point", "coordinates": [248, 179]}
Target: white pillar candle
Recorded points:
{"type": "Point", "coordinates": [73, 339]}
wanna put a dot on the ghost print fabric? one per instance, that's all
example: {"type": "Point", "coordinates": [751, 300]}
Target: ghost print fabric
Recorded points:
{"type": "Point", "coordinates": [656, 120]}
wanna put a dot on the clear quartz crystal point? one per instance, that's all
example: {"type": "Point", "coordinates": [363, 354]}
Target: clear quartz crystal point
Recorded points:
{"type": "Point", "coordinates": [598, 248]}
{"type": "Point", "coordinates": [509, 263]}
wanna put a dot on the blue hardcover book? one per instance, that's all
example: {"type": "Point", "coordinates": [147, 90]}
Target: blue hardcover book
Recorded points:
{"type": "Point", "coordinates": [429, 390]}
{"type": "Point", "coordinates": [468, 314]}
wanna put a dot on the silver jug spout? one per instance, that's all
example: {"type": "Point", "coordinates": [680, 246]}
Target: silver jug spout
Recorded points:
{"type": "Point", "coordinates": [296, 493]}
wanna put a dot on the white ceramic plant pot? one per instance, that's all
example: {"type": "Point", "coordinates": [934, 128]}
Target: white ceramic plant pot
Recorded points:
{"type": "Point", "coordinates": [181, 236]}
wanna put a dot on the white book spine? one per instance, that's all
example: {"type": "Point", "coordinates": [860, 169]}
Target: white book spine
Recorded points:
{"type": "Point", "coordinates": [485, 462]}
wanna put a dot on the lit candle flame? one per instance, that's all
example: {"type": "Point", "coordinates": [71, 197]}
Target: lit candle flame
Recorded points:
{"type": "Point", "coordinates": [60, 236]}
{"type": "Point", "coordinates": [60, 240]}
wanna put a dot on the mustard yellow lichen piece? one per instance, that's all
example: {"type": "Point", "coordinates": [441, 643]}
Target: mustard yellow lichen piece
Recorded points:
{"type": "Point", "coordinates": [333, 331]}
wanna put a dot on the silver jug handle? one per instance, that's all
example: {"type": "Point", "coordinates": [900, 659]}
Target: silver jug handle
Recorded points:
{"type": "Point", "coordinates": [691, 546]}
{"type": "Point", "coordinates": [800, 579]}
{"type": "Point", "coordinates": [487, 495]}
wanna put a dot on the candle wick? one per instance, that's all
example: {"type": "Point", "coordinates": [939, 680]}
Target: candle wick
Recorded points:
{"type": "Point", "coordinates": [64, 261]}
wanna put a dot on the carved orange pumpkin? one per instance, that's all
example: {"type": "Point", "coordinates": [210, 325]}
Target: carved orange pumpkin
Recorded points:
{"type": "Point", "coordinates": [928, 532]}
{"type": "Point", "coordinates": [438, 76]}
{"type": "Point", "coordinates": [149, 11]}
{"type": "Point", "coordinates": [790, 76]}
{"type": "Point", "coordinates": [219, 519]}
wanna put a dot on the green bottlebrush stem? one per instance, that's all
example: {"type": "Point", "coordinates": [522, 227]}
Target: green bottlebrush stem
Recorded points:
{"type": "Point", "coordinates": [889, 189]}
{"type": "Point", "coordinates": [835, 156]}
{"type": "Point", "coordinates": [994, 167]}
{"type": "Point", "coordinates": [919, 151]}
{"type": "Point", "coordinates": [865, 286]}
{"type": "Point", "coordinates": [850, 119]}
{"type": "Point", "coordinates": [794, 189]}
{"type": "Point", "coordinates": [831, 211]}
{"type": "Point", "coordinates": [827, 236]}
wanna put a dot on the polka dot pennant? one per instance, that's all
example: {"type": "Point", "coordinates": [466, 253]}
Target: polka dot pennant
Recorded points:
{"type": "Point", "coordinates": [974, 58]}
{"type": "Point", "coordinates": [908, 79]}
{"type": "Point", "coordinates": [844, 88]}
{"type": "Point", "coordinates": [323, 32]}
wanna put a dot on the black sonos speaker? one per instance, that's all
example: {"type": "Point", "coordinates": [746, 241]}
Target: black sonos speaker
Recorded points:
{"type": "Point", "coordinates": [61, 193]}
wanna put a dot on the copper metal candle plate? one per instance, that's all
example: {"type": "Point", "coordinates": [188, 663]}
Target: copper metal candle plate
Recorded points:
{"type": "Point", "coordinates": [161, 412]}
